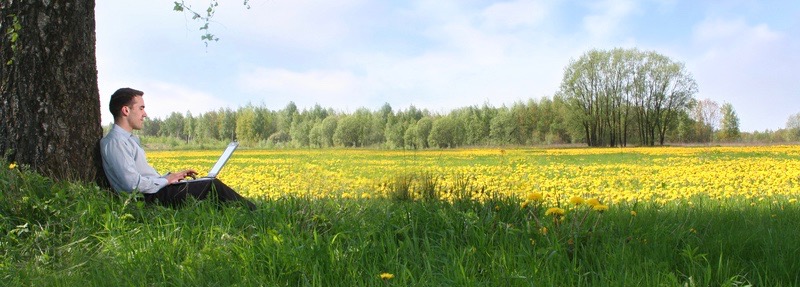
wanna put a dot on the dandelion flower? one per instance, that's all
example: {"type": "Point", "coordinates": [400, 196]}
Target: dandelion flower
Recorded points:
{"type": "Point", "coordinates": [535, 196]}
{"type": "Point", "coordinates": [633, 213]}
{"type": "Point", "coordinates": [554, 211]}
{"type": "Point", "coordinates": [600, 207]}
{"type": "Point", "coordinates": [12, 165]}
{"type": "Point", "coordinates": [386, 276]}
{"type": "Point", "coordinates": [576, 200]}
{"type": "Point", "coordinates": [543, 230]}
{"type": "Point", "coordinates": [593, 202]}
{"type": "Point", "coordinates": [524, 204]}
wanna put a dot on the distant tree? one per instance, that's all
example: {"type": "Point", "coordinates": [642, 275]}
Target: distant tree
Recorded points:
{"type": "Point", "coordinates": [227, 124]}
{"type": "Point", "coordinates": [502, 128]}
{"type": "Point", "coordinates": [686, 131]}
{"type": "Point", "coordinates": [315, 137]}
{"type": "Point", "coordinates": [209, 125]}
{"type": "Point", "coordinates": [410, 137]}
{"type": "Point", "coordinates": [378, 122]}
{"type": "Point", "coordinates": [394, 133]}
{"type": "Point", "coordinates": [793, 127]}
{"type": "Point", "coordinates": [173, 125]}
{"type": "Point", "coordinates": [317, 113]}
{"type": "Point", "coordinates": [445, 133]}
{"type": "Point", "coordinates": [285, 117]}
{"type": "Point", "coordinates": [245, 123]}
{"type": "Point", "coordinates": [348, 132]}
{"type": "Point", "coordinates": [706, 114]}
{"type": "Point", "coordinates": [279, 138]}
{"type": "Point", "coordinates": [188, 126]}
{"type": "Point", "coordinates": [523, 122]}
{"type": "Point", "coordinates": [367, 124]}
{"type": "Point", "coordinates": [729, 126]}
{"type": "Point", "coordinates": [329, 125]}
{"type": "Point", "coordinates": [263, 123]}
{"type": "Point", "coordinates": [475, 131]}
{"type": "Point", "coordinates": [552, 126]}
{"type": "Point", "coordinates": [424, 126]}
{"type": "Point", "coordinates": [409, 115]}
{"type": "Point", "coordinates": [151, 126]}
{"type": "Point", "coordinates": [300, 131]}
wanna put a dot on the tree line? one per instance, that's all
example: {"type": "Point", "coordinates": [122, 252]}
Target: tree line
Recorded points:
{"type": "Point", "coordinates": [536, 122]}
{"type": "Point", "coordinates": [607, 98]}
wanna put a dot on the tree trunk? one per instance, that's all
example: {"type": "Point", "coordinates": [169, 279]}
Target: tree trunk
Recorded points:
{"type": "Point", "coordinates": [49, 101]}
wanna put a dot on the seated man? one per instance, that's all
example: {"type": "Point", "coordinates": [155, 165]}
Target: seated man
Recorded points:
{"type": "Point", "coordinates": [127, 169]}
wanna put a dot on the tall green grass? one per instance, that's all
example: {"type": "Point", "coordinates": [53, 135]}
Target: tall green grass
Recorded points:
{"type": "Point", "coordinates": [70, 234]}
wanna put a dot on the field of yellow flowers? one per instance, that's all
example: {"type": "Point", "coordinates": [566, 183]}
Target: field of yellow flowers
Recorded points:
{"type": "Point", "coordinates": [612, 175]}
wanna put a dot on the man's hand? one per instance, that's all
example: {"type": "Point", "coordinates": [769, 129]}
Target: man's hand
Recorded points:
{"type": "Point", "coordinates": [181, 175]}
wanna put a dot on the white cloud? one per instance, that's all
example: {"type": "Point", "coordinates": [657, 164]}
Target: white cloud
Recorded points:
{"type": "Point", "coordinates": [516, 14]}
{"type": "Point", "coordinates": [325, 87]}
{"type": "Point", "coordinates": [739, 63]}
{"type": "Point", "coordinates": [304, 24]}
{"type": "Point", "coordinates": [607, 16]}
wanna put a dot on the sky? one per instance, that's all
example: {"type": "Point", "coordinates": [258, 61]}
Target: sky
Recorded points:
{"type": "Point", "coordinates": [438, 54]}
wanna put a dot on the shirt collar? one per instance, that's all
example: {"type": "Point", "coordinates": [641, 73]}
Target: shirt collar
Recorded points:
{"type": "Point", "coordinates": [126, 134]}
{"type": "Point", "coordinates": [119, 129]}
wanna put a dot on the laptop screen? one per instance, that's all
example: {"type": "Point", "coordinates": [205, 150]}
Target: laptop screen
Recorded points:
{"type": "Point", "coordinates": [223, 159]}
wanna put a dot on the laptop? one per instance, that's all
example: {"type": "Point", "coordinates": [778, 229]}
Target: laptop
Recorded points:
{"type": "Point", "coordinates": [223, 159]}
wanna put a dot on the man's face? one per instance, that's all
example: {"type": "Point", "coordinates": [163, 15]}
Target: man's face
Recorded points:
{"type": "Point", "coordinates": [136, 113]}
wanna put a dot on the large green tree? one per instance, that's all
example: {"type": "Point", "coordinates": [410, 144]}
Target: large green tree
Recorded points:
{"type": "Point", "coordinates": [612, 92]}
{"type": "Point", "coordinates": [49, 100]}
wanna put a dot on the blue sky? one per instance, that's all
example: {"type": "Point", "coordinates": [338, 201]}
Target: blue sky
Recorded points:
{"type": "Point", "coordinates": [440, 54]}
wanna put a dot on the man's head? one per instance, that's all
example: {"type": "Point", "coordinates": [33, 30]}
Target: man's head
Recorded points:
{"type": "Point", "coordinates": [127, 107]}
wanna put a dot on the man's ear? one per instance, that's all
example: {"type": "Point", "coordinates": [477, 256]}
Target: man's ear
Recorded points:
{"type": "Point", "coordinates": [125, 110]}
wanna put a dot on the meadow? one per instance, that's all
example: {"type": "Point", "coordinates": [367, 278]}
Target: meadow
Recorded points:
{"type": "Point", "coordinates": [688, 216]}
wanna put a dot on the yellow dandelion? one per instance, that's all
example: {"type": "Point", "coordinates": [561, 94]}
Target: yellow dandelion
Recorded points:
{"type": "Point", "coordinates": [524, 204]}
{"type": "Point", "coordinates": [600, 207]}
{"type": "Point", "coordinates": [554, 211]}
{"type": "Point", "coordinates": [12, 165]}
{"type": "Point", "coordinates": [633, 213]}
{"type": "Point", "coordinates": [793, 200]}
{"type": "Point", "coordinates": [386, 276]}
{"type": "Point", "coordinates": [593, 202]}
{"type": "Point", "coordinates": [576, 200]}
{"type": "Point", "coordinates": [543, 230]}
{"type": "Point", "coordinates": [535, 196]}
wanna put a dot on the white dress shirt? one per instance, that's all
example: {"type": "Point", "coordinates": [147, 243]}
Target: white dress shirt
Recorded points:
{"type": "Point", "coordinates": [125, 163]}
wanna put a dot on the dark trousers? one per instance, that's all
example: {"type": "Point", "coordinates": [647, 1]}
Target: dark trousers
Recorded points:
{"type": "Point", "coordinates": [175, 195]}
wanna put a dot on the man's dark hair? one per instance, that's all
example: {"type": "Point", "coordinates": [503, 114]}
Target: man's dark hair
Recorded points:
{"type": "Point", "coordinates": [120, 98]}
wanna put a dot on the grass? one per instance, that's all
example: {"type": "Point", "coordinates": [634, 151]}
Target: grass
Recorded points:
{"type": "Point", "coordinates": [71, 234]}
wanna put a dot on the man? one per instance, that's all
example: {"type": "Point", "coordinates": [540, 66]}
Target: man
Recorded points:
{"type": "Point", "coordinates": [127, 169]}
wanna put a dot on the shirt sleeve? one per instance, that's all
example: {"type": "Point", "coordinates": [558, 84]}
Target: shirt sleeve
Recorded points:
{"type": "Point", "coordinates": [122, 170]}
